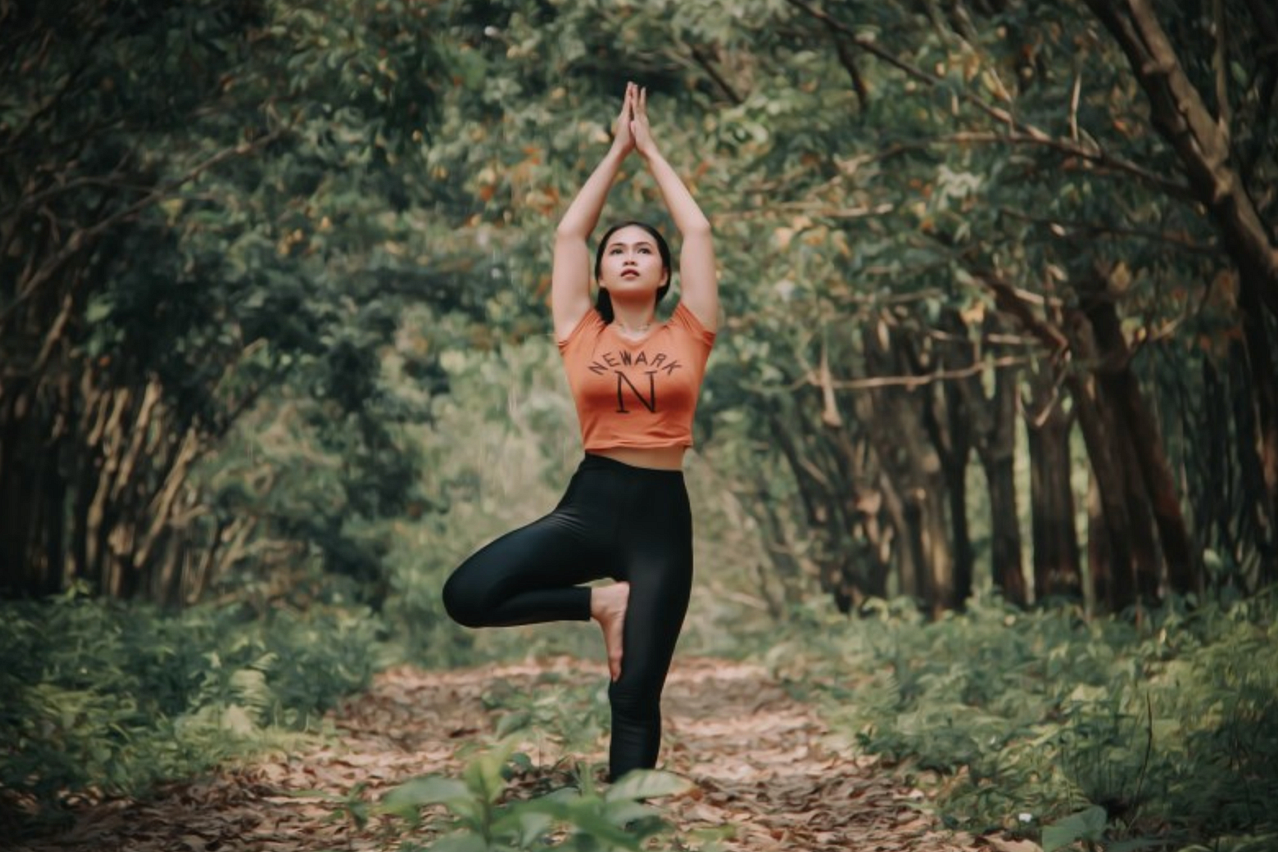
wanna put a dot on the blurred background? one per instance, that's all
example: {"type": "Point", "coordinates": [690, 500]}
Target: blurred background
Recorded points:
{"type": "Point", "coordinates": [1000, 286]}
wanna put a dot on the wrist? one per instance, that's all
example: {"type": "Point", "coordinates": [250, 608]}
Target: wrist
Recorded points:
{"type": "Point", "coordinates": [651, 155]}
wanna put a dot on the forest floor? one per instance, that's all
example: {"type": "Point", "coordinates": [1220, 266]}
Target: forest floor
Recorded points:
{"type": "Point", "coordinates": [765, 772]}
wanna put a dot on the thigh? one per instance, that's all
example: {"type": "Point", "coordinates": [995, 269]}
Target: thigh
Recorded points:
{"type": "Point", "coordinates": [550, 552]}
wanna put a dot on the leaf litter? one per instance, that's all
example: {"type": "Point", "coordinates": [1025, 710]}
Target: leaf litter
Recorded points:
{"type": "Point", "coordinates": [767, 774]}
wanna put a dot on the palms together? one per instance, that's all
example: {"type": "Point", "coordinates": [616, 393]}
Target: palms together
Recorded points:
{"type": "Point", "coordinates": [633, 132]}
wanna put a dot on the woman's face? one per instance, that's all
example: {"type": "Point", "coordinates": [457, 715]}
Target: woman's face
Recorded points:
{"type": "Point", "coordinates": [631, 263]}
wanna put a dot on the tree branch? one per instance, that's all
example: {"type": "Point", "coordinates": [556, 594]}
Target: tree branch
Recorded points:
{"type": "Point", "coordinates": [1178, 112]}
{"type": "Point", "coordinates": [84, 236]}
{"type": "Point", "coordinates": [848, 61]}
{"type": "Point", "coordinates": [1174, 189]}
{"type": "Point", "coordinates": [1013, 301]}
{"type": "Point", "coordinates": [999, 114]}
{"type": "Point", "coordinates": [913, 381]}
{"type": "Point", "coordinates": [1093, 229]}
{"type": "Point", "coordinates": [706, 65]}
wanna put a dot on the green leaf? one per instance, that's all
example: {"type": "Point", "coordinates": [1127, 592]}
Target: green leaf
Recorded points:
{"type": "Point", "coordinates": [459, 843]}
{"type": "Point", "coordinates": [511, 722]}
{"type": "Point", "coordinates": [405, 799]}
{"type": "Point", "coordinates": [484, 775]}
{"type": "Point", "coordinates": [1136, 844]}
{"type": "Point", "coordinates": [627, 811]}
{"type": "Point", "coordinates": [1087, 824]}
{"type": "Point", "coordinates": [525, 823]}
{"type": "Point", "coordinates": [647, 784]}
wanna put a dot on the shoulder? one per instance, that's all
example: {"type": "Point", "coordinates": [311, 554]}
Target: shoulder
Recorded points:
{"type": "Point", "coordinates": [684, 320]}
{"type": "Point", "coordinates": [590, 326]}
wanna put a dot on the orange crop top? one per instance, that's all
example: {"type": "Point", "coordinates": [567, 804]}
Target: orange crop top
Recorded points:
{"type": "Point", "coordinates": [636, 393]}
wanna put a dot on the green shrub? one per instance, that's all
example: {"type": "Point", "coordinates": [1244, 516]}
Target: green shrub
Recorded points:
{"type": "Point", "coordinates": [102, 697]}
{"type": "Point", "coordinates": [1031, 720]}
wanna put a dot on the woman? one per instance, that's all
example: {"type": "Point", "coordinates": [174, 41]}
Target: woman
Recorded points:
{"type": "Point", "coordinates": [625, 514]}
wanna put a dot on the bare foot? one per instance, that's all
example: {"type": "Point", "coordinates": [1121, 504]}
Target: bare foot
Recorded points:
{"type": "Point", "coordinates": [608, 607]}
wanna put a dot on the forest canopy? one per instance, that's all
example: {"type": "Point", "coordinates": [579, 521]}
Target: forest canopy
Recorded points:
{"type": "Point", "coordinates": [1000, 285]}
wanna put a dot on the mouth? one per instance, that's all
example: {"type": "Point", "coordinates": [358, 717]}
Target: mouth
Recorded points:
{"type": "Point", "coordinates": [630, 273]}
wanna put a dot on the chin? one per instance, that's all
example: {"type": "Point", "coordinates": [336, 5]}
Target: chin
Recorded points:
{"type": "Point", "coordinates": [634, 289]}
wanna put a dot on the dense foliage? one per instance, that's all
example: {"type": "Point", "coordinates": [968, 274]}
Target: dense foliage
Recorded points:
{"type": "Point", "coordinates": [1167, 729]}
{"type": "Point", "coordinates": [101, 699]}
{"type": "Point", "coordinates": [964, 248]}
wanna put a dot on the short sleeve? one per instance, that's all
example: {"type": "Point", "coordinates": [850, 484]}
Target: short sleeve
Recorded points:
{"type": "Point", "coordinates": [684, 319]}
{"type": "Point", "coordinates": [587, 327]}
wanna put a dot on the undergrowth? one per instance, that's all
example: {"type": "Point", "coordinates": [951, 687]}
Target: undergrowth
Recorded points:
{"type": "Point", "coordinates": [1157, 733]}
{"type": "Point", "coordinates": [483, 812]}
{"type": "Point", "coordinates": [100, 698]}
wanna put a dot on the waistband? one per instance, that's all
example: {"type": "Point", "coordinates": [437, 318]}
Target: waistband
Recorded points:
{"type": "Point", "coordinates": [603, 463]}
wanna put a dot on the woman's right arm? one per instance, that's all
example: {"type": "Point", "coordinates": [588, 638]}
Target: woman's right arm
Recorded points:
{"type": "Point", "coordinates": [570, 274]}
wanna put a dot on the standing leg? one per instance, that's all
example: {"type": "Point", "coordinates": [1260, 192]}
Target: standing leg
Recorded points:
{"type": "Point", "coordinates": [660, 575]}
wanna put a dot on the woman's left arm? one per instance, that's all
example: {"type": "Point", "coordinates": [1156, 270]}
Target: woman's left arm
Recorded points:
{"type": "Point", "coordinates": [699, 282]}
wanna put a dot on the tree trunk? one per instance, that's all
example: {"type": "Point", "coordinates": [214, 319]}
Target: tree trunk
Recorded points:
{"type": "Point", "coordinates": [831, 476]}
{"type": "Point", "coordinates": [1145, 442]}
{"type": "Point", "coordinates": [954, 427]}
{"type": "Point", "coordinates": [1101, 566]}
{"type": "Point", "coordinates": [895, 419]}
{"type": "Point", "coordinates": [1110, 553]}
{"type": "Point", "coordinates": [954, 466]}
{"type": "Point", "coordinates": [994, 428]}
{"type": "Point", "coordinates": [1056, 553]}
{"type": "Point", "coordinates": [1258, 431]}
{"type": "Point", "coordinates": [779, 549]}
{"type": "Point", "coordinates": [1145, 544]}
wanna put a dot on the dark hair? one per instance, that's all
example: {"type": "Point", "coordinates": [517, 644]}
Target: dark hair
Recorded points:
{"type": "Point", "coordinates": [603, 301]}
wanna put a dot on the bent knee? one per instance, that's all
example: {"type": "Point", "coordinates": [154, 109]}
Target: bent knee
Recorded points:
{"type": "Point", "coordinates": [462, 604]}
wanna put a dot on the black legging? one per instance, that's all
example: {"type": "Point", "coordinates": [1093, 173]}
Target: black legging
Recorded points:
{"type": "Point", "coordinates": [628, 523]}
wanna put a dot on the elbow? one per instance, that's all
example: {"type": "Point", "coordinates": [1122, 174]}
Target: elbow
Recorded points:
{"type": "Point", "coordinates": [568, 230]}
{"type": "Point", "coordinates": [698, 227]}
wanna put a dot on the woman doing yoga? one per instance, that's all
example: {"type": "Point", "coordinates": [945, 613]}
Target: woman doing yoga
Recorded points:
{"type": "Point", "coordinates": [625, 513]}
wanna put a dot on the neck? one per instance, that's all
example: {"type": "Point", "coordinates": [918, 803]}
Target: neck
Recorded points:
{"type": "Point", "coordinates": [633, 319]}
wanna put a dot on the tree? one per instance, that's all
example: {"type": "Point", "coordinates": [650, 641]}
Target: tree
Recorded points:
{"type": "Point", "coordinates": [182, 201]}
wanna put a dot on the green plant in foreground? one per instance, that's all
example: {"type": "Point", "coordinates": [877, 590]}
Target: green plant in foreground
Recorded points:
{"type": "Point", "coordinates": [569, 819]}
{"type": "Point", "coordinates": [573, 714]}
{"type": "Point", "coordinates": [1150, 734]}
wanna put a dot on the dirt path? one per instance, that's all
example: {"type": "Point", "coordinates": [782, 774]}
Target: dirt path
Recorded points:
{"type": "Point", "coordinates": [761, 763]}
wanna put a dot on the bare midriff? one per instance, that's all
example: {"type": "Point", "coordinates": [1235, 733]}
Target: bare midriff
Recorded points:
{"type": "Point", "coordinates": [657, 458]}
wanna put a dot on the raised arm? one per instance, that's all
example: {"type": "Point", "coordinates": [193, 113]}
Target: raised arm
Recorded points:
{"type": "Point", "coordinates": [699, 282]}
{"type": "Point", "coordinates": [570, 272]}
